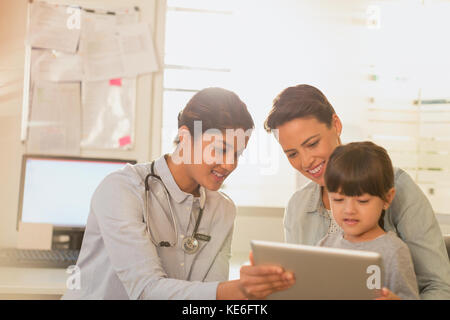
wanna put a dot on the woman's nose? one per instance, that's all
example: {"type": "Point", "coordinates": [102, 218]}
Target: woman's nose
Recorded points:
{"type": "Point", "coordinates": [306, 160]}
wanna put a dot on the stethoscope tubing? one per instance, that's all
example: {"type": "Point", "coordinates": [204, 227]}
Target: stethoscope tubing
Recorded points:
{"type": "Point", "coordinates": [146, 215]}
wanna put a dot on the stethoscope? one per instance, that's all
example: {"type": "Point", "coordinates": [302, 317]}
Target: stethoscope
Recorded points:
{"type": "Point", "coordinates": [190, 244]}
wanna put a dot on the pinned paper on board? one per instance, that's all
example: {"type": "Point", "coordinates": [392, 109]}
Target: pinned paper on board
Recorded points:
{"type": "Point", "coordinates": [138, 52]}
{"type": "Point", "coordinates": [54, 126]}
{"type": "Point", "coordinates": [112, 50]}
{"type": "Point", "coordinates": [108, 113]}
{"type": "Point", "coordinates": [51, 27]}
{"type": "Point", "coordinates": [81, 87]}
{"type": "Point", "coordinates": [57, 66]}
{"type": "Point", "coordinates": [99, 47]}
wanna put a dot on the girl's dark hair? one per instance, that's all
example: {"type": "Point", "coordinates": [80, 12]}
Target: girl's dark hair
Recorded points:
{"type": "Point", "coordinates": [360, 167]}
{"type": "Point", "coordinates": [216, 108]}
{"type": "Point", "coordinates": [301, 101]}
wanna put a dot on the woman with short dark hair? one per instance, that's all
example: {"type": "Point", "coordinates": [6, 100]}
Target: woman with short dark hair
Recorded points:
{"type": "Point", "coordinates": [308, 129]}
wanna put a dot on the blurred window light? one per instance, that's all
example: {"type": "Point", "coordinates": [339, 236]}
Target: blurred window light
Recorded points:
{"type": "Point", "coordinates": [203, 48]}
{"type": "Point", "coordinates": [257, 48]}
{"type": "Point", "coordinates": [373, 14]}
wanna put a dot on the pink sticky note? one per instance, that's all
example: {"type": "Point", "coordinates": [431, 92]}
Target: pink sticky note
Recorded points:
{"type": "Point", "coordinates": [115, 82]}
{"type": "Point", "coordinates": [124, 141]}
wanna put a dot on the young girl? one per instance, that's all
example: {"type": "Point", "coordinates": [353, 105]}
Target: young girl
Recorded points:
{"type": "Point", "coordinates": [360, 183]}
{"type": "Point", "coordinates": [162, 230]}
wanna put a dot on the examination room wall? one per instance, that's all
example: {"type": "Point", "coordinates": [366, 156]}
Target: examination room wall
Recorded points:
{"type": "Point", "coordinates": [305, 42]}
{"type": "Point", "coordinates": [370, 66]}
{"type": "Point", "coordinates": [13, 19]}
{"type": "Point", "coordinates": [12, 35]}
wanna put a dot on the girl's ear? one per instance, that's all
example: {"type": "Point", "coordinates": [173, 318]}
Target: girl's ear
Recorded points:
{"type": "Point", "coordinates": [389, 197]}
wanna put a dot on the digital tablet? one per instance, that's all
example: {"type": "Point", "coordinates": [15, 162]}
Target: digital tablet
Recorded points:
{"type": "Point", "coordinates": [323, 273]}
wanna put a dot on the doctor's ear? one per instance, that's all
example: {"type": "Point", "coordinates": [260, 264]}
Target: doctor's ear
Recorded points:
{"type": "Point", "coordinates": [183, 135]}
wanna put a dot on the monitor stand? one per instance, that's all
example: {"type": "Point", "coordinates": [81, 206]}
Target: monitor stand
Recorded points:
{"type": "Point", "coordinates": [67, 239]}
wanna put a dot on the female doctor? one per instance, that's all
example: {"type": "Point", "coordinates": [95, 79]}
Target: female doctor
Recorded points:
{"type": "Point", "coordinates": [161, 230]}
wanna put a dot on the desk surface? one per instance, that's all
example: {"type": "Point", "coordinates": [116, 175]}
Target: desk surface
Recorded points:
{"type": "Point", "coordinates": [32, 281]}
{"type": "Point", "coordinates": [15, 282]}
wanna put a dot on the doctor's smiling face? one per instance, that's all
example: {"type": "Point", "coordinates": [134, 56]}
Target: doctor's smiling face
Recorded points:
{"type": "Point", "coordinates": [213, 156]}
{"type": "Point", "coordinates": [213, 131]}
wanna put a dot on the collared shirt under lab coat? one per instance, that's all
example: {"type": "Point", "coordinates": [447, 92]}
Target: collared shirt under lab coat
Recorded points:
{"type": "Point", "coordinates": [410, 216]}
{"type": "Point", "coordinates": [117, 258]}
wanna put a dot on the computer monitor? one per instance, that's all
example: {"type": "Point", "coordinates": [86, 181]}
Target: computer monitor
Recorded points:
{"type": "Point", "coordinates": [58, 190]}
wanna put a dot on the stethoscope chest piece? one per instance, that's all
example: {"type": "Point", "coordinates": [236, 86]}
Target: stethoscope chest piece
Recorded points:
{"type": "Point", "coordinates": [190, 245]}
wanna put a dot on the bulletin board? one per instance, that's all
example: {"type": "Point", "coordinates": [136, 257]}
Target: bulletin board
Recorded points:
{"type": "Point", "coordinates": [80, 77]}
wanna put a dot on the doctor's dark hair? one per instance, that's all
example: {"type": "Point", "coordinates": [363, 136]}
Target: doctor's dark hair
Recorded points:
{"type": "Point", "coordinates": [301, 101]}
{"type": "Point", "coordinates": [360, 167]}
{"type": "Point", "coordinates": [216, 108]}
